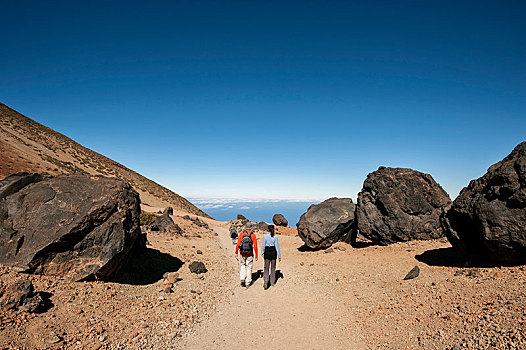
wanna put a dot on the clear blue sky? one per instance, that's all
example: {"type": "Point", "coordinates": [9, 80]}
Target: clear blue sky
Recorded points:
{"type": "Point", "coordinates": [279, 99]}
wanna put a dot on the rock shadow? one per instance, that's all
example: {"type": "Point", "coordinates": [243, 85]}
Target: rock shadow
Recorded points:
{"type": "Point", "coordinates": [306, 248]}
{"type": "Point", "coordinates": [359, 241]}
{"type": "Point", "coordinates": [46, 304]}
{"type": "Point", "coordinates": [362, 244]}
{"type": "Point", "coordinates": [449, 257]}
{"type": "Point", "coordinates": [147, 267]}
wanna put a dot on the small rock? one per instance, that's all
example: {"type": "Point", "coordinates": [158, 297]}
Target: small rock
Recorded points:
{"type": "Point", "coordinates": [197, 267]}
{"type": "Point", "coordinates": [133, 334]}
{"type": "Point", "coordinates": [168, 290]}
{"type": "Point", "coordinates": [340, 248]}
{"type": "Point", "coordinates": [52, 339]}
{"type": "Point", "coordinates": [199, 252]}
{"type": "Point", "coordinates": [16, 293]}
{"type": "Point", "coordinates": [330, 250]}
{"type": "Point", "coordinates": [172, 277]}
{"type": "Point", "coordinates": [414, 273]}
{"type": "Point", "coordinates": [20, 295]}
{"type": "Point", "coordinates": [474, 273]}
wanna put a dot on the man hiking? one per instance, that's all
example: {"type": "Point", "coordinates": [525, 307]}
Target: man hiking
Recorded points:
{"type": "Point", "coordinates": [233, 233]}
{"type": "Point", "coordinates": [247, 247]}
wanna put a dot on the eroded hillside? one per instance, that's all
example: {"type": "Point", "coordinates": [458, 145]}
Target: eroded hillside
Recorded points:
{"type": "Point", "coordinates": [26, 145]}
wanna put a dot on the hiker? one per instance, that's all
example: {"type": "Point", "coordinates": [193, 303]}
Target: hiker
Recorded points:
{"type": "Point", "coordinates": [269, 252]}
{"type": "Point", "coordinates": [247, 246]}
{"type": "Point", "coordinates": [233, 233]}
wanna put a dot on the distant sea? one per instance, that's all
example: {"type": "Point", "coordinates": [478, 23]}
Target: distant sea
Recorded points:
{"type": "Point", "coordinates": [253, 210]}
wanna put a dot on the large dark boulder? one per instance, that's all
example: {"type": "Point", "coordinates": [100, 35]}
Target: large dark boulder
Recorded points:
{"type": "Point", "coordinates": [165, 224]}
{"type": "Point", "coordinates": [241, 217]}
{"type": "Point", "coordinates": [398, 204]}
{"type": "Point", "coordinates": [76, 227]}
{"type": "Point", "coordinates": [487, 220]}
{"type": "Point", "coordinates": [326, 223]}
{"type": "Point", "coordinates": [279, 220]}
{"type": "Point", "coordinates": [262, 226]}
{"type": "Point", "coordinates": [16, 182]}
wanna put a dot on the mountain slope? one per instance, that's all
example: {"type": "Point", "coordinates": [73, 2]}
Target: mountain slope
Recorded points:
{"type": "Point", "coordinates": [26, 145]}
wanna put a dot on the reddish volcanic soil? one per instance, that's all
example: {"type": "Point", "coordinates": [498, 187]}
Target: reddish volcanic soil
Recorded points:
{"type": "Point", "coordinates": [341, 298]}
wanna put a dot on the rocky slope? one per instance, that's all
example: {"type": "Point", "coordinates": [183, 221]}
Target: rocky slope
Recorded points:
{"type": "Point", "coordinates": [26, 145]}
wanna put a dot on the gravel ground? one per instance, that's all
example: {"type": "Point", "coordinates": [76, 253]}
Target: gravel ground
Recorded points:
{"type": "Point", "coordinates": [360, 300]}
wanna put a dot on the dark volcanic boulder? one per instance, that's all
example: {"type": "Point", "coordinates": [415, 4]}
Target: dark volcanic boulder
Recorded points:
{"type": "Point", "coordinates": [241, 217]}
{"type": "Point", "coordinates": [76, 227]}
{"type": "Point", "coordinates": [487, 220]}
{"type": "Point", "coordinates": [398, 204]}
{"type": "Point", "coordinates": [16, 182]}
{"type": "Point", "coordinates": [279, 220]}
{"type": "Point", "coordinates": [262, 226]}
{"type": "Point", "coordinates": [165, 224]}
{"type": "Point", "coordinates": [328, 222]}
{"type": "Point", "coordinates": [197, 267]}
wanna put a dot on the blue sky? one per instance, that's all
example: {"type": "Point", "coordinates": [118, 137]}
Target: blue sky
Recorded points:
{"type": "Point", "coordinates": [273, 99]}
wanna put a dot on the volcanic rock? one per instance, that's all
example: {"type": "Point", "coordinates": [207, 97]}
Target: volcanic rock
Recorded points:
{"type": "Point", "coordinates": [398, 204]}
{"type": "Point", "coordinates": [76, 227]}
{"type": "Point", "coordinates": [200, 223]}
{"type": "Point", "coordinates": [262, 226]}
{"type": "Point", "coordinates": [279, 220]}
{"type": "Point", "coordinates": [197, 267]}
{"type": "Point", "coordinates": [414, 273]}
{"type": "Point", "coordinates": [165, 224]}
{"type": "Point", "coordinates": [241, 217]}
{"type": "Point", "coordinates": [16, 182]}
{"type": "Point", "coordinates": [488, 218]}
{"type": "Point", "coordinates": [20, 295]}
{"type": "Point", "coordinates": [328, 222]}
{"type": "Point", "coordinates": [171, 277]}
{"type": "Point", "coordinates": [15, 294]}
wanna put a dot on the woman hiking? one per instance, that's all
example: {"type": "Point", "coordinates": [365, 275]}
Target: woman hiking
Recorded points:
{"type": "Point", "coordinates": [270, 251]}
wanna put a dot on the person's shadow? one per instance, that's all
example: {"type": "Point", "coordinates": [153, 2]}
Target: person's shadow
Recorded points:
{"type": "Point", "coordinates": [279, 275]}
{"type": "Point", "coordinates": [259, 274]}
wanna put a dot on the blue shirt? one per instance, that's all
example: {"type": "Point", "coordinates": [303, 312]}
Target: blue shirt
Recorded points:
{"type": "Point", "coordinates": [269, 241]}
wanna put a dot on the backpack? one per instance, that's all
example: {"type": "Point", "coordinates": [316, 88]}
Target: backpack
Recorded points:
{"type": "Point", "coordinates": [246, 243]}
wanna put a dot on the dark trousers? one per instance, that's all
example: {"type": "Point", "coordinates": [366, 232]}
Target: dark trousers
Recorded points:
{"type": "Point", "coordinates": [272, 264]}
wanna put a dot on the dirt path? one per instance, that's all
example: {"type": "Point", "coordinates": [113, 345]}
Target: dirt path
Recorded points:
{"type": "Point", "coordinates": [295, 314]}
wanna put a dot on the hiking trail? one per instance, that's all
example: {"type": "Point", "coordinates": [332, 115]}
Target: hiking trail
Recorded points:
{"type": "Point", "coordinates": [294, 314]}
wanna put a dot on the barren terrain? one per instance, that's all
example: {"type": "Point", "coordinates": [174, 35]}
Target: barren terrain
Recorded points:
{"type": "Point", "coordinates": [339, 298]}
{"type": "Point", "coordinates": [342, 298]}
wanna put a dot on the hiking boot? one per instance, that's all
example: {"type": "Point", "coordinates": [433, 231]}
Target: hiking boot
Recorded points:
{"type": "Point", "coordinates": [242, 283]}
{"type": "Point", "coordinates": [265, 285]}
